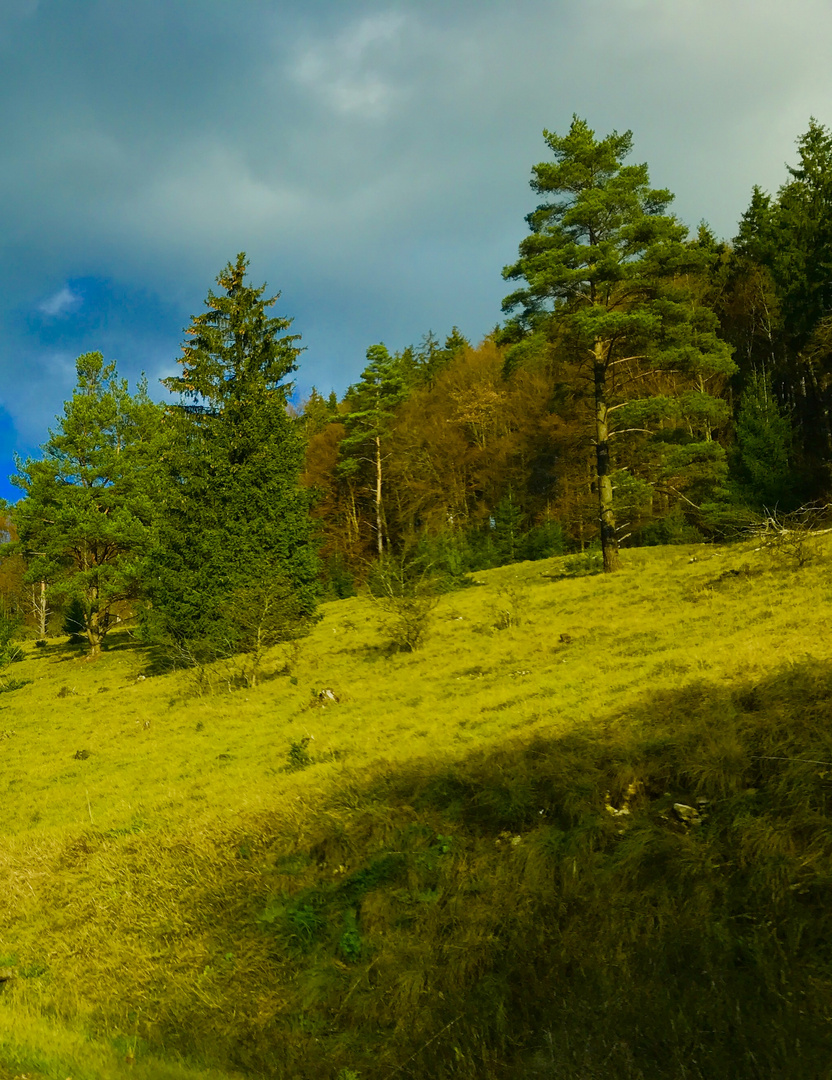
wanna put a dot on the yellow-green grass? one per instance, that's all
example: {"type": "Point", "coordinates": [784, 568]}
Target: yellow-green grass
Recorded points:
{"type": "Point", "coordinates": [442, 890]}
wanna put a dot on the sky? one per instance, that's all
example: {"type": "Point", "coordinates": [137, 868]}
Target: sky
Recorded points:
{"type": "Point", "coordinates": [371, 158]}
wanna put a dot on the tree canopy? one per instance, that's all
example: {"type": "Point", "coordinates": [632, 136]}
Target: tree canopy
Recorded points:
{"type": "Point", "coordinates": [234, 518]}
{"type": "Point", "coordinates": [606, 272]}
{"type": "Point", "coordinates": [87, 518]}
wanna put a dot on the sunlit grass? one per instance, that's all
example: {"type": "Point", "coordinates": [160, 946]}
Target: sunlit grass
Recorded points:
{"type": "Point", "coordinates": [147, 825]}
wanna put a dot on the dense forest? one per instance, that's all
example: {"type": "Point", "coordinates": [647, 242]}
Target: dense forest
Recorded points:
{"type": "Point", "coordinates": [646, 386]}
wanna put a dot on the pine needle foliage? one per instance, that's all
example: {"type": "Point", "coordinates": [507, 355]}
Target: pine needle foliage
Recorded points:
{"type": "Point", "coordinates": [607, 271]}
{"type": "Point", "coordinates": [86, 520]}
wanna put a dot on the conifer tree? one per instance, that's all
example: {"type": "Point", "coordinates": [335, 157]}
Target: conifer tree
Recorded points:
{"type": "Point", "coordinates": [604, 269]}
{"type": "Point", "coordinates": [764, 440]}
{"type": "Point", "coordinates": [372, 403]}
{"type": "Point", "coordinates": [235, 530]}
{"type": "Point", "coordinates": [86, 519]}
{"type": "Point", "coordinates": [789, 239]}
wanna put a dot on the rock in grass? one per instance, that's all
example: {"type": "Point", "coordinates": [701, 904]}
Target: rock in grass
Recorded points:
{"type": "Point", "coordinates": [81, 755]}
{"type": "Point", "coordinates": [688, 815]}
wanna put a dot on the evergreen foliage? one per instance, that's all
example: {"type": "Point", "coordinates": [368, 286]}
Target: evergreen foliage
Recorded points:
{"type": "Point", "coordinates": [371, 406]}
{"type": "Point", "coordinates": [234, 517]}
{"type": "Point", "coordinates": [10, 647]}
{"type": "Point", "coordinates": [87, 518]}
{"type": "Point", "coordinates": [606, 269]}
{"type": "Point", "coordinates": [778, 305]}
{"type": "Point", "coordinates": [764, 440]}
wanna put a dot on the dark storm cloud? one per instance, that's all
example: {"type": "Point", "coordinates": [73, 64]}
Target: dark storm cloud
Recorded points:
{"type": "Point", "coordinates": [371, 158]}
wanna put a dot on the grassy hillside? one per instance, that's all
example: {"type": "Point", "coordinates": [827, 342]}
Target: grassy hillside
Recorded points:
{"type": "Point", "coordinates": [583, 832]}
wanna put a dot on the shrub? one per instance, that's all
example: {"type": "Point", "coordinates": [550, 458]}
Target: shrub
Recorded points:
{"type": "Point", "coordinates": [406, 593]}
{"type": "Point", "coordinates": [75, 621]}
{"type": "Point", "coordinates": [673, 528]}
{"type": "Point", "coordinates": [298, 756]}
{"type": "Point", "coordinates": [509, 608]}
{"type": "Point", "coordinates": [10, 650]}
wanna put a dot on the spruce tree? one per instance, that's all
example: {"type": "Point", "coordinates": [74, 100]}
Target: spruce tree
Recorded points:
{"type": "Point", "coordinates": [235, 534]}
{"type": "Point", "coordinates": [764, 443]}
{"type": "Point", "coordinates": [789, 239]}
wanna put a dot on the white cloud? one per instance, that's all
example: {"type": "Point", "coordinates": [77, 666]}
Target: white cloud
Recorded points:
{"type": "Point", "coordinates": [350, 71]}
{"type": "Point", "coordinates": [60, 303]}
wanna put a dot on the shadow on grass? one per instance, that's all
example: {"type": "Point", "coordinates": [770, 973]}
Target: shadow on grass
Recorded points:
{"type": "Point", "coordinates": [644, 898]}
{"type": "Point", "coordinates": [68, 648]}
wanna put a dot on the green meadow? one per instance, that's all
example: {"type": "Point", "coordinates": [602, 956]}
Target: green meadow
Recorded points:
{"type": "Point", "coordinates": [583, 831]}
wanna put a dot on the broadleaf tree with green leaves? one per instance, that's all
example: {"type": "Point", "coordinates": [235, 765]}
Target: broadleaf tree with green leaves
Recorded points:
{"type": "Point", "coordinates": [86, 520]}
{"type": "Point", "coordinates": [606, 273]}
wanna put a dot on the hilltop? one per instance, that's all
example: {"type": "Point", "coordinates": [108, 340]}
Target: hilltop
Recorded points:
{"type": "Point", "coordinates": [583, 831]}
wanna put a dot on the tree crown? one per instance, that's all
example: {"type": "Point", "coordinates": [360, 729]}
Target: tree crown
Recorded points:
{"type": "Point", "coordinates": [236, 348]}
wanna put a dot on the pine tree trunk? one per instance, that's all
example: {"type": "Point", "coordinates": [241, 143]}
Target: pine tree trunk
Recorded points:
{"type": "Point", "coordinates": [609, 543]}
{"type": "Point", "coordinates": [353, 528]}
{"type": "Point", "coordinates": [40, 609]}
{"type": "Point", "coordinates": [379, 515]}
{"type": "Point", "coordinates": [94, 628]}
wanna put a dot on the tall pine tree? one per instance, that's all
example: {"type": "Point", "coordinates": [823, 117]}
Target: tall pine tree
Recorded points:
{"type": "Point", "coordinates": [372, 403]}
{"type": "Point", "coordinates": [605, 272]}
{"type": "Point", "coordinates": [86, 520]}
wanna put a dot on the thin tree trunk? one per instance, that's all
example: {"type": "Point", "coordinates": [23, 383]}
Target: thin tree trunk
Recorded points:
{"type": "Point", "coordinates": [708, 431]}
{"type": "Point", "coordinates": [40, 609]}
{"type": "Point", "coordinates": [609, 542]}
{"type": "Point", "coordinates": [353, 528]}
{"type": "Point", "coordinates": [379, 516]}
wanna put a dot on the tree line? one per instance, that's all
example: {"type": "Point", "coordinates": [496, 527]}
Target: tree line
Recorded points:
{"type": "Point", "coordinates": [191, 513]}
{"type": "Point", "coordinates": [645, 386]}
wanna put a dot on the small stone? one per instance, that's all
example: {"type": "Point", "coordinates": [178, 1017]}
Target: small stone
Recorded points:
{"type": "Point", "coordinates": [688, 815]}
